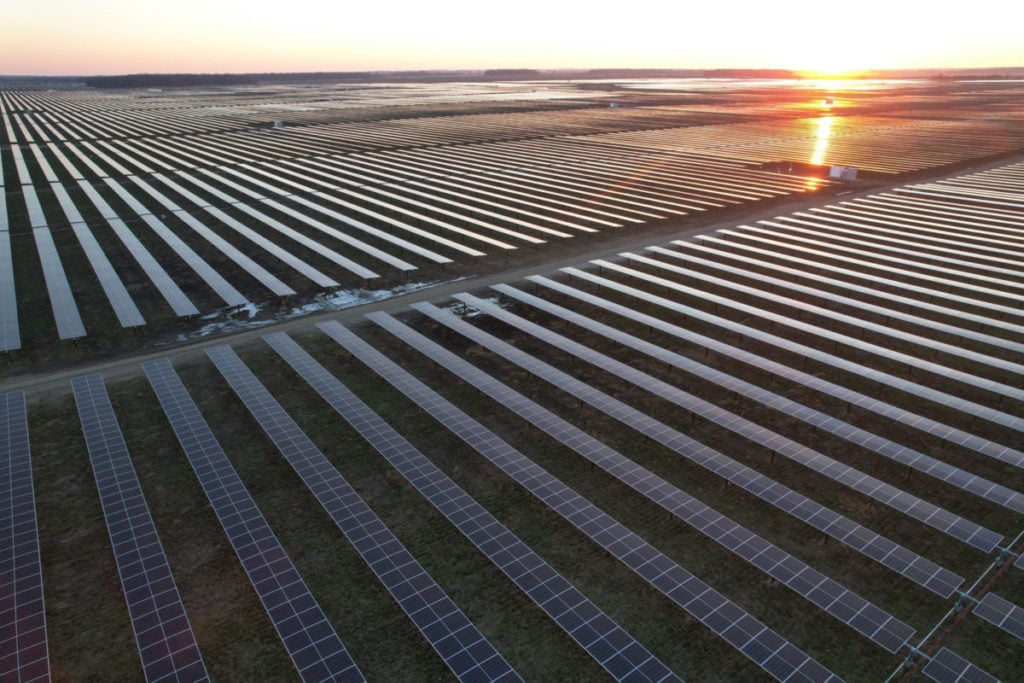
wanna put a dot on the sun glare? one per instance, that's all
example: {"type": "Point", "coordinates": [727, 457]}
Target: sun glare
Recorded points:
{"type": "Point", "coordinates": [821, 140]}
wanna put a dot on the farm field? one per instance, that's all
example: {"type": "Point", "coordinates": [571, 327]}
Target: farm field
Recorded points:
{"type": "Point", "coordinates": [778, 435]}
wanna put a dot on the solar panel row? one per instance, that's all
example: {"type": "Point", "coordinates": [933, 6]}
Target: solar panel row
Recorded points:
{"type": "Point", "coordinates": [23, 643]}
{"type": "Point", "coordinates": [316, 245]}
{"type": "Point", "coordinates": [228, 294]}
{"type": "Point", "coordinates": [909, 564]}
{"type": "Point", "coordinates": [823, 225]}
{"type": "Point", "coordinates": [462, 647]}
{"type": "Point", "coordinates": [822, 591]}
{"type": "Point", "coordinates": [930, 426]}
{"type": "Point", "coordinates": [309, 194]}
{"type": "Point", "coordinates": [297, 263]}
{"type": "Point", "coordinates": [312, 643]}
{"type": "Point", "coordinates": [163, 634]}
{"type": "Point", "coordinates": [168, 288]}
{"type": "Point", "coordinates": [876, 225]}
{"type": "Point", "coordinates": [762, 645]}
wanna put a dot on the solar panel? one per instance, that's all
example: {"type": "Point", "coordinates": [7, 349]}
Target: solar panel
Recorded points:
{"type": "Point", "coordinates": [10, 337]}
{"type": "Point", "coordinates": [926, 209]}
{"type": "Point", "coordinates": [620, 654]}
{"type": "Point", "coordinates": [309, 193]}
{"type": "Point", "coordinates": [312, 643]}
{"type": "Point", "coordinates": [163, 634]}
{"type": "Point", "coordinates": [44, 164]}
{"type": "Point", "coordinates": [386, 220]}
{"type": "Point", "coordinates": [827, 594]}
{"type": "Point", "coordinates": [759, 643]}
{"type": "Point", "coordinates": [947, 208]}
{"type": "Point", "coordinates": [62, 301]}
{"type": "Point", "coordinates": [879, 220]}
{"type": "Point", "coordinates": [912, 566]}
{"type": "Point", "coordinates": [368, 249]}
{"type": "Point", "coordinates": [1002, 613]}
{"type": "Point", "coordinates": [979, 486]}
{"type": "Point", "coordinates": [421, 218]}
{"type": "Point", "coordinates": [23, 646]}
{"type": "Point", "coordinates": [462, 647]}
{"type": "Point", "coordinates": [947, 666]}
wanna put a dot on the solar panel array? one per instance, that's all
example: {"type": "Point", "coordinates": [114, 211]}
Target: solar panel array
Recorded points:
{"type": "Point", "coordinates": [819, 362]}
{"type": "Point", "coordinates": [603, 639]}
{"type": "Point", "coordinates": [822, 591]}
{"type": "Point", "coordinates": [830, 359]}
{"type": "Point", "coordinates": [915, 419]}
{"type": "Point", "coordinates": [911, 505]}
{"type": "Point", "coordinates": [762, 645]}
{"type": "Point", "coordinates": [336, 202]}
{"type": "Point", "coordinates": [433, 182]}
{"type": "Point", "coordinates": [163, 634]}
{"type": "Point", "coordinates": [312, 643]}
{"type": "Point", "coordinates": [879, 548]}
{"type": "Point", "coordinates": [873, 143]}
{"type": "Point", "coordinates": [834, 338]}
{"type": "Point", "coordinates": [23, 643]}
{"type": "Point", "coordinates": [462, 647]}
{"type": "Point", "coordinates": [947, 666]}
{"type": "Point", "coordinates": [997, 493]}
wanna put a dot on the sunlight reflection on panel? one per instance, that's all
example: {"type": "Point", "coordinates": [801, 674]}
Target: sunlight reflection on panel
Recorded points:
{"type": "Point", "coordinates": [821, 138]}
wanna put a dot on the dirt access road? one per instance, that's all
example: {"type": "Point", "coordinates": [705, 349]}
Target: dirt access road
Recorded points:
{"type": "Point", "coordinates": [544, 259]}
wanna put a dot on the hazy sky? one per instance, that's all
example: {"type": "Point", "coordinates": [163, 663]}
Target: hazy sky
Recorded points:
{"type": "Point", "coordinates": [83, 37]}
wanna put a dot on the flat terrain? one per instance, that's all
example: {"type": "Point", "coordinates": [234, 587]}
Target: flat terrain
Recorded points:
{"type": "Point", "coordinates": [666, 304]}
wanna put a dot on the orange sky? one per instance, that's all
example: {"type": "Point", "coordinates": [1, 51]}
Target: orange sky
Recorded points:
{"type": "Point", "coordinates": [83, 37]}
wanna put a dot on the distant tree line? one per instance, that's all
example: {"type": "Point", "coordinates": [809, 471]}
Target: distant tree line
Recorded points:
{"type": "Point", "coordinates": [168, 80]}
{"type": "Point", "coordinates": [363, 77]}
